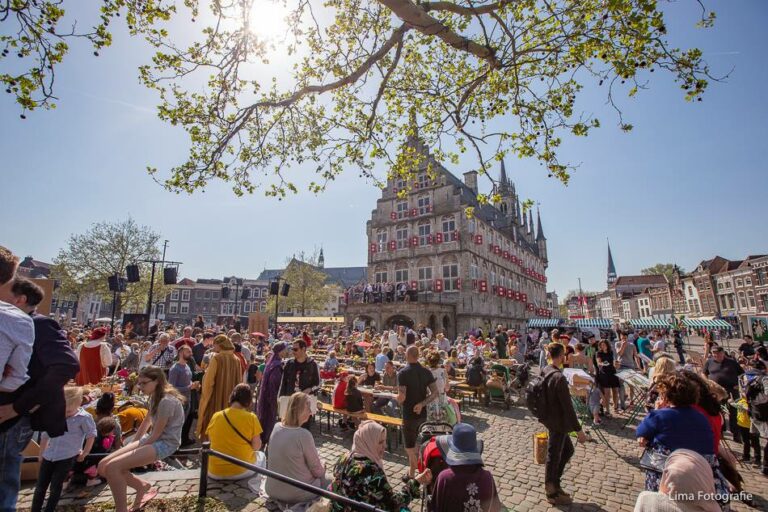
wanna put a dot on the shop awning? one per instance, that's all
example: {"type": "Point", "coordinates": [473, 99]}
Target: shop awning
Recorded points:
{"type": "Point", "coordinates": [600, 323]}
{"type": "Point", "coordinates": [543, 322]}
{"type": "Point", "coordinates": [310, 319]}
{"type": "Point", "coordinates": [702, 323]}
{"type": "Point", "coordinates": [649, 323]}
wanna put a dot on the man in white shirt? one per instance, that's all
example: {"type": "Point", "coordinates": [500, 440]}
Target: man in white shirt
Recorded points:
{"type": "Point", "coordinates": [17, 336]}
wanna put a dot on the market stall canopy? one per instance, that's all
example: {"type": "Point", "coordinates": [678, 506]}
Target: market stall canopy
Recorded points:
{"type": "Point", "coordinates": [649, 323]}
{"type": "Point", "coordinates": [702, 323]}
{"type": "Point", "coordinates": [600, 323]}
{"type": "Point", "coordinates": [543, 322]}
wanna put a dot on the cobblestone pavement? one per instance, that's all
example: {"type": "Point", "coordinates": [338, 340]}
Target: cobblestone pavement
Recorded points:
{"type": "Point", "coordinates": [597, 478]}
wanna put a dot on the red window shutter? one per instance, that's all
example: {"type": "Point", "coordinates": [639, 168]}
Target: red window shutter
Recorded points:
{"type": "Point", "coordinates": [372, 247]}
{"type": "Point", "coordinates": [393, 215]}
{"type": "Point", "coordinates": [525, 297]}
{"type": "Point", "coordinates": [479, 239]}
{"type": "Point", "coordinates": [394, 190]}
{"type": "Point", "coordinates": [510, 294]}
{"type": "Point", "coordinates": [414, 285]}
{"type": "Point", "coordinates": [506, 255]}
{"type": "Point", "coordinates": [438, 238]}
{"type": "Point", "coordinates": [414, 212]}
{"type": "Point", "coordinates": [430, 238]}
{"type": "Point", "coordinates": [392, 245]}
{"type": "Point", "coordinates": [483, 285]}
{"type": "Point", "coordinates": [517, 296]}
{"type": "Point", "coordinates": [416, 184]}
{"type": "Point", "coordinates": [438, 285]}
{"type": "Point", "coordinates": [455, 235]}
{"type": "Point", "coordinates": [458, 283]}
{"type": "Point", "coordinates": [414, 241]}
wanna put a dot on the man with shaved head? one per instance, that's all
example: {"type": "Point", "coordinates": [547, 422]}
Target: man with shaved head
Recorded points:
{"type": "Point", "coordinates": [416, 389]}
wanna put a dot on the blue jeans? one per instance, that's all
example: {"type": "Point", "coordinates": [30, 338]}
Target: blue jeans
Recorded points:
{"type": "Point", "coordinates": [12, 443]}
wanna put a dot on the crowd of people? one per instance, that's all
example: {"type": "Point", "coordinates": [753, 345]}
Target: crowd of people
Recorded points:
{"type": "Point", "coordinates": [105, 403]}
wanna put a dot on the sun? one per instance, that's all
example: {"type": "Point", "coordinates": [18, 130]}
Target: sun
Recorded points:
{"type": "Point", "coordinates": [267, 19]}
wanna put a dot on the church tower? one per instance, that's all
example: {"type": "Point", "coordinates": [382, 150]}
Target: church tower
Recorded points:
{"type": "Point", "coordinates": [611, 268]}
{"type": "Point", "coordinates": [541, 240]}
{"type": "Point", "coordinates": [321, 259]}
{"type": "Point", "coordinates": [506, 189]}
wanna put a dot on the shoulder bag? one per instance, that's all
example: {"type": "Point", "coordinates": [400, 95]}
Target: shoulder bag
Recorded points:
{"type": "Point", "coordinates": [235, 429]}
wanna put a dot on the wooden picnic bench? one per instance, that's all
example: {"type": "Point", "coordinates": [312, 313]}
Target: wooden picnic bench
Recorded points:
{"type": "Point", "coordinates": [389, 422]}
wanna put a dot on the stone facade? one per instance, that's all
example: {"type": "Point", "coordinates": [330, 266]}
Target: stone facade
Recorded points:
{"type": "Point", "coordinates": [463, 271]}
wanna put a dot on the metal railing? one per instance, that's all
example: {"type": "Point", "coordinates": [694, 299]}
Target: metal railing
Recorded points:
{"type": "Point", "coordinates": [207, 452]}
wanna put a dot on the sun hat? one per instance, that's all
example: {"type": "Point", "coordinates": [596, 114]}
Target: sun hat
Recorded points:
{"type": "Point", "coordinates": [461, 448]}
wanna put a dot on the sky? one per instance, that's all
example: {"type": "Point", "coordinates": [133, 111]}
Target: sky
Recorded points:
{"type": "Point", "coordinates": [689, 182]}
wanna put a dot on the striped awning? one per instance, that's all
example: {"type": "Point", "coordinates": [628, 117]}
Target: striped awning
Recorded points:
{"type": "Point", "coordinates": [601, 323]}
{"type": "Point", "coordinates": [543, 322]}
{"type": "Point", "coordinates": [700, 323]}
{"type": "Point", "coordinates": [649, 323]}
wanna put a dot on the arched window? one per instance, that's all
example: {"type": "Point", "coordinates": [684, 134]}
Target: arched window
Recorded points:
{"type": "Point", "coordinates": [424, 269]}
{"type": "Point", "coordinates": [751, 298]}
{"type": "Point", "coordinates": [423, 204]}
{"type": "Point", "coordinates": [401, 233]}
{"type": "Point", "coordinates": [425, 232]}
{"type": "Point", "coordinates": [450, 273]}
{"type": "Point", "coordinates": [380, 274]}
{"type": "Point", "coordinates": [449, 228]}
{"type": "Point", "coordinates": [401, 272]}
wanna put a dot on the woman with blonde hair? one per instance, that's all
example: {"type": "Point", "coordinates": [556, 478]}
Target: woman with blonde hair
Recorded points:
{"type": "Point", "coordinates": [166, 417]}
{"type": "Point", "coordinates": [292, 452]}
{"type": "Point", "coordinates": [221, 376]}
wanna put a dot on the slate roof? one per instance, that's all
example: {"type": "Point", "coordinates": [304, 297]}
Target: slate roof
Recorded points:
{"type": "Point", "coordinates": [343, 276]}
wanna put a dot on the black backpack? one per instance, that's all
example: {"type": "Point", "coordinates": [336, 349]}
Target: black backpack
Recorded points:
{"type": "Point", "coordinates": [536, 396]}
{"type": "Point", "coordinates": [757, 397]}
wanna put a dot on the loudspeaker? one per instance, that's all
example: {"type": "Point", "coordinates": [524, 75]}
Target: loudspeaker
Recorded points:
{"type": "Point", "coordinates": [245, 293]}
{"type": "Point", "coordinates": [132, 271]}
{"type": "Point", "coordinates": [169, 275]}
{"type": "Point", "coordinates": [286, 288]}
{"type": "Point", "coordinates": [117, 283]}
{"type": "Point", "coordinates": [274, 286]}
{"type": "Point", "coordinates": [225, 292]}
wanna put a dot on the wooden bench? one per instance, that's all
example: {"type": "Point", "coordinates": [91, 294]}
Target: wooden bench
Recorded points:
{"type": "Point", "coordinates": [467, 391]}
{"type": "Point", "coordinates": [389, 422]}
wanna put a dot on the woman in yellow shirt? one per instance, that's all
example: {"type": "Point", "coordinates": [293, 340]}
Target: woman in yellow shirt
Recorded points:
{"type": "Point", "coordinates": [236, 432]}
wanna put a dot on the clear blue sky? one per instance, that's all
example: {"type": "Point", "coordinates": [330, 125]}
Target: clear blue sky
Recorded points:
{"type": "Point", "coordinates": [688, 183]}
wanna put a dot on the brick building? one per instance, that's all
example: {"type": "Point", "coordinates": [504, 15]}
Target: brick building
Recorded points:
{"type": "Point", "coordinates": [462, 271]}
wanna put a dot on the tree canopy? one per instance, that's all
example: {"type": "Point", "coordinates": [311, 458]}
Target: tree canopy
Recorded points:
{"type": "Point", "coordinates": [492, 77]}
{"type": "Point", "coordinates": [308, 288]}
{"type": "Point", "coordinates": [88, 259]}
{"type": "Point", "coordinates": [666, 269]}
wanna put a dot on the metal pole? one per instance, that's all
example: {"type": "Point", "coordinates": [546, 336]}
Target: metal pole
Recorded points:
{"type": "Point", "coordinates": [151, 289]}
{"type": "Point", "coordinates": [277, 300]}
{"type": "Point", "coordinates": [114, 305]}
{"type": "Point", "coordinates": [581, 303]}
{"type": "Point", "coordinates": [162, 268]}
{"type": "Point", "coordinates": [202, 491]}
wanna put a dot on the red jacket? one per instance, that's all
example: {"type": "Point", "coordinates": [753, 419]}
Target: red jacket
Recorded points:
{"type": "Point", "coordinates": [339, 395]}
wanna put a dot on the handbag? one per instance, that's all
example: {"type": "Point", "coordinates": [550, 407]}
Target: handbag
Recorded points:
{"type": "Point", "coordinates": [653, 460]}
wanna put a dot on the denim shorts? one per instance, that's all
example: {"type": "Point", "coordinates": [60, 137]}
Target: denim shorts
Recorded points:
{"type": "Point", "coordinates": [163, 449]}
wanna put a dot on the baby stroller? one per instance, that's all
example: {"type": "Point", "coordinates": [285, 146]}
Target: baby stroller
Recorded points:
{"type": "Point", "coordinates": [520, 375]}
{"type": "Point", "coordinates": [498, 386]}
{"type": "Point", "coordinates": [429, 455]}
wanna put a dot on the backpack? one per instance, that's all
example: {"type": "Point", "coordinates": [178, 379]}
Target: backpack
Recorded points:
{"type": "Point", "coordinates": [757, 397]}
{"type": "Point", "coordinates": [475, 375]}
{"type": "Point", "coordinates": [535, 396]}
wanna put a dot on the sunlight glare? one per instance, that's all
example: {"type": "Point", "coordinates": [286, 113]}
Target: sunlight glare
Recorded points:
{"type": "Point", "coordinates": [267, 19]}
